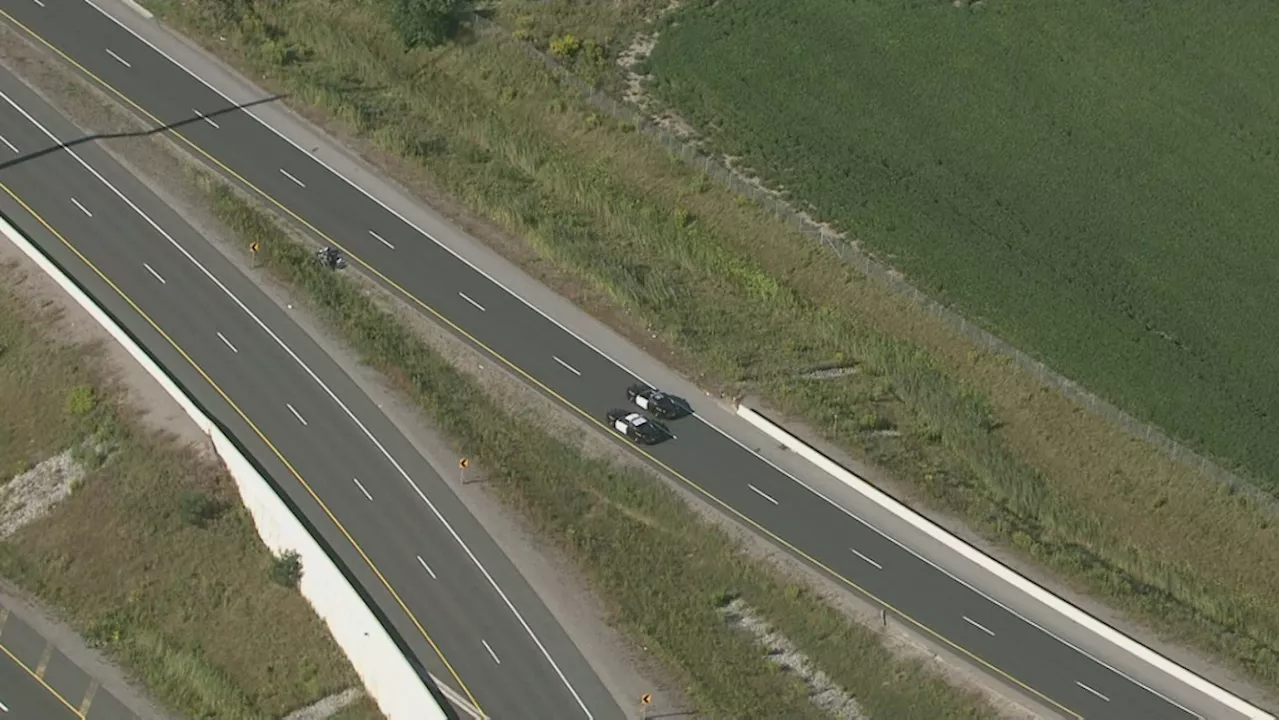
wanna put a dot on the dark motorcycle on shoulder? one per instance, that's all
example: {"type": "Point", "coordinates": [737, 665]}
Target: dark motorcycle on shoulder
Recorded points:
{"type": "Point", "coordinates": [331, 258]}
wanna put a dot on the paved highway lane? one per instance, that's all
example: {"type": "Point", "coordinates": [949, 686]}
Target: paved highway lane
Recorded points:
{"type": "Point", "coordinates": [494, 632]}
{"type": "Point", "coordinates": [397, 252]}
{"type": "Point", "coordinates": [22, 695]}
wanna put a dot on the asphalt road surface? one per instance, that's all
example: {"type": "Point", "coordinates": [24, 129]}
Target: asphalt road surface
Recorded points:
{"type": "Point", "coordinates": [492, 630]}
{"type": "Point", "coordinates": [856, 545]}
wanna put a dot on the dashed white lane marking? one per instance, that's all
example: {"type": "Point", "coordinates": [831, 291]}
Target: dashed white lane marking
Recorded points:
{"type": "Point", "coordinates": [759, 492]}
{"type": "Point", "coordinates": [6, 142]}
{"type": "Point", "coordinates": [296, 180]}
{"type": "Point", "coordinates": [492, 654]}
{"type": "Point", "coordinates": [381, 239]}
{"type": "Point", "coordinates": [567, 366]}
{"type": "Point", "coordinates": [2, 705]}
{"type": "Point", "coordinates": [205, 118]}
{"type": "Point", "coordinates": [119, 59]}
{"type": "Point", "coordinates": [228, 342]}
{"type": "Point", "coordinates": [473, 302]}
{"type": "Point", "coordinates": [1095, 692]}
{"type": "Point", "coordinates": [867, 560]}
{"type": "Point", "coordinates": [295, 413]}
{"type": "Point", "coordinates": [83, 209]}
{"type": "Point", "coordinates": [975, 624]}
{"type": "Point", "coordinates": [366, 492]}
{"type": "Point", "coordinates": [41, 5]}
{"type": "Point", "coordinates": [154, 274]}
{"type": "Point", "coordinates": [426, 567]}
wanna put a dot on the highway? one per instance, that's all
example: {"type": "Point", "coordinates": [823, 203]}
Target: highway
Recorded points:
{"type": "Point", "coordinates": [923, 585]}
{"type": "Point", "coordinates": [406, 537]}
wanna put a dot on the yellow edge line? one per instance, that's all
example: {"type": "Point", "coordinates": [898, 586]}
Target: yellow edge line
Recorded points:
{"type": "Point", "coordinates": [417, 301]}
{"type": "Point", "coordinates": [41, 680]}
{"type": "Point", "coordinates": [255, 429]}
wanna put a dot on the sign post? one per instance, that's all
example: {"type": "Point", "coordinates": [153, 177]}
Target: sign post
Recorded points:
{"type": "Point", "coordinates": [645, 701]}
{"type": "Point", "coordinates": [462, 470]}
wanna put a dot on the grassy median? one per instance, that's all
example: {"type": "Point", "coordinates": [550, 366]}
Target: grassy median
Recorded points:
{"type": "Point", "coordinates": [665, 573]}
{"type": "Point", "coordinates": [151, 557]}
{"type": "Point", "coordinates": [708, 281]}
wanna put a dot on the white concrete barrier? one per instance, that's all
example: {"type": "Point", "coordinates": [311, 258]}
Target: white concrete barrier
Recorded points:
{"type": "Point", "coordinates": [387, 675]}
{"type": "Point", "coordinates": [995, 567]}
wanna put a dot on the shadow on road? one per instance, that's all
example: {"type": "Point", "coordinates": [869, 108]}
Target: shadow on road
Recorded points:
{"type": "Point", "coordinates": [199, 117]}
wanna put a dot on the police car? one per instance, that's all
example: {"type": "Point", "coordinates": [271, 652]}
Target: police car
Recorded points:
{"type": "Point", "coordinates": [656, 402]}
{"type": "Point", "coordinates": [638, 428]}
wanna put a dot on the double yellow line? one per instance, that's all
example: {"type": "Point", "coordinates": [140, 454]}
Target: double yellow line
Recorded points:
{"type": "Point", "coordinates": [528, 377]}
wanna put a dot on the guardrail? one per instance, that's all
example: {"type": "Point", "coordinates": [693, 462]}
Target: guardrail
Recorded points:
{"type": "Point", "coordinates": [388, 675]}
{"type": "Point", "coordinates": [998, 569]}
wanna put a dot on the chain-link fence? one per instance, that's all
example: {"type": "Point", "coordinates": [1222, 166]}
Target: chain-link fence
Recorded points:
{"type": "Point", "coordinates": [845, 250]}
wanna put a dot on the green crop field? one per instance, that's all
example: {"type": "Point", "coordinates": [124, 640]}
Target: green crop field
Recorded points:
{"type": "Point", "coordinates": [1095, 181]}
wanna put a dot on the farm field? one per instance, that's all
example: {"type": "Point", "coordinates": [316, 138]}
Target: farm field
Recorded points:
{"type": "Point", "coordinates": [1094, 181]}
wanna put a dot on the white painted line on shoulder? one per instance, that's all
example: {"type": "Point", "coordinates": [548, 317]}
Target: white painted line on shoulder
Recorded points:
{"type": "Point", "coordinates": [473, 302]}
{"type": "Point", "coordinates": [296, 180]}
{"type": "Point", "coordinates": [119, 59]}
{"type": "Point", "coordinates": [295, 413]}
{"type": "Point", "coordinates": [381, 239]}
{"type": "Point", "coordinates": [975, 624]}
{"type": "Point", "coordinates": [83, 209]}
{"type": "Point", "coordinates": [759, 492]}
{"type": "Point", "coordinates": [867, 560]}
{"type": "Point", "coordinates": [426, 567]}
{"type": "Point", "coordinates": [567, 366]}
{"type": "Point", "coordinates": [492, 654]}
{"type": "Point", "coordinates": [6, 142]}
{"type": "Point", "coordinates": [224, 339]}
{"type": "Point", "coordinates": [154, 274]}
{"type": "Point", "coordinates": [1095, 692]}
{"type": "Point", "coordinates": [366, 492]}
{"type": "Point", "coordinates": [205, 118]}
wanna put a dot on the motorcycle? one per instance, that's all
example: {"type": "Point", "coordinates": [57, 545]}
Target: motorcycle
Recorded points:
{"type": "Point", "coordinates": [331, 259]}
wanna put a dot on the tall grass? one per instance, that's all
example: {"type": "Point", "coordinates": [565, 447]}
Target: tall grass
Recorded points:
{"type": "Point", "coordinates": [665, 572]}
{"type": "Point", "coordinates": [748, 307]}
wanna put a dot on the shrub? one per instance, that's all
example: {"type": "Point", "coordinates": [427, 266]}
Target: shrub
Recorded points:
{"type": "Point", "coordinates": [287, 569]}
{"type": "Point", "coordinates": [198, 509]}
{"type": "Point", "coordinates": [565, 46]}
{"type": "Point", "coordinates": [425, 23]}
{"type": "Point", "coordinates": [81, 401]}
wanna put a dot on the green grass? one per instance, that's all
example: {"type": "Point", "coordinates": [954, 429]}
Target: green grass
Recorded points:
{"type": "Point", "coordinates": [721, 290]}
{"type": "Point", "coordinates": [188, 608]}
{"type": "Point", "coordinates": [664, 572]}
{"type": "Point", "coordinates": [1092, 180]}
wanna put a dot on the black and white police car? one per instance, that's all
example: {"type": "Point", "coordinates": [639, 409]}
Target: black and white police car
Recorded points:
{"type": "Point", "coordinates": [656, 402]}
{"type": "Point", "coordinates": [638, 428]}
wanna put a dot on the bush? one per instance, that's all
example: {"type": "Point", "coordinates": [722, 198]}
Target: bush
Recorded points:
{"type": "Point", "coordinates": [198, 509]}
{"type": "Point", "coordinates": [565, 46]}
{"type": "Point", "coordinates": [425, 23]}
{"type": "Point", "coordinates": [287, 569]}
{"type": "Point", "coordinates": [81, 401]}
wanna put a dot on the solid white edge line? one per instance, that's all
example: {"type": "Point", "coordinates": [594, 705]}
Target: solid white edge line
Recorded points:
{"type": "Point", "coordinates": [295, 413]}
{"type": "Point", "coordinates": [363, 428]}
{"type": "Point", "coordinates": [761, 493]}
{"type": "Point", "coordinates": [1187, 677]}
{"type": "Point", "coordinates": [977, 625]}
{"type": "Point", "coordinates": [9, 144]}
{"type": "Point", "coordinates": [426, 567]}
{"type": "Point", "coordinates": [492, 654]}
{"type": "Point", "coordinates": [296, 180]}
{"type": "Point", "coordinates": [1095, 692]}
{"type": "Point", "coordinates": [567, 366]}
{"type": "Point", "coordinates": [473, 302]}
{"type": "Point", "coordinates": [224, 339]}
{"type": "Point", "coordinates": [83, 209]}
{"type": "Point", "coordinates": [119, 59]}
{"type": "Point", "coordinates": [155, 274]}
{"type": "Point", "coordinates": [366, 492]}
{"type": "Point", "coordinates": [382, 240]}
{"type": "Point", "coordinates": [876, 495]}
{"type": "Point", "coordinates": [877, 565]}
